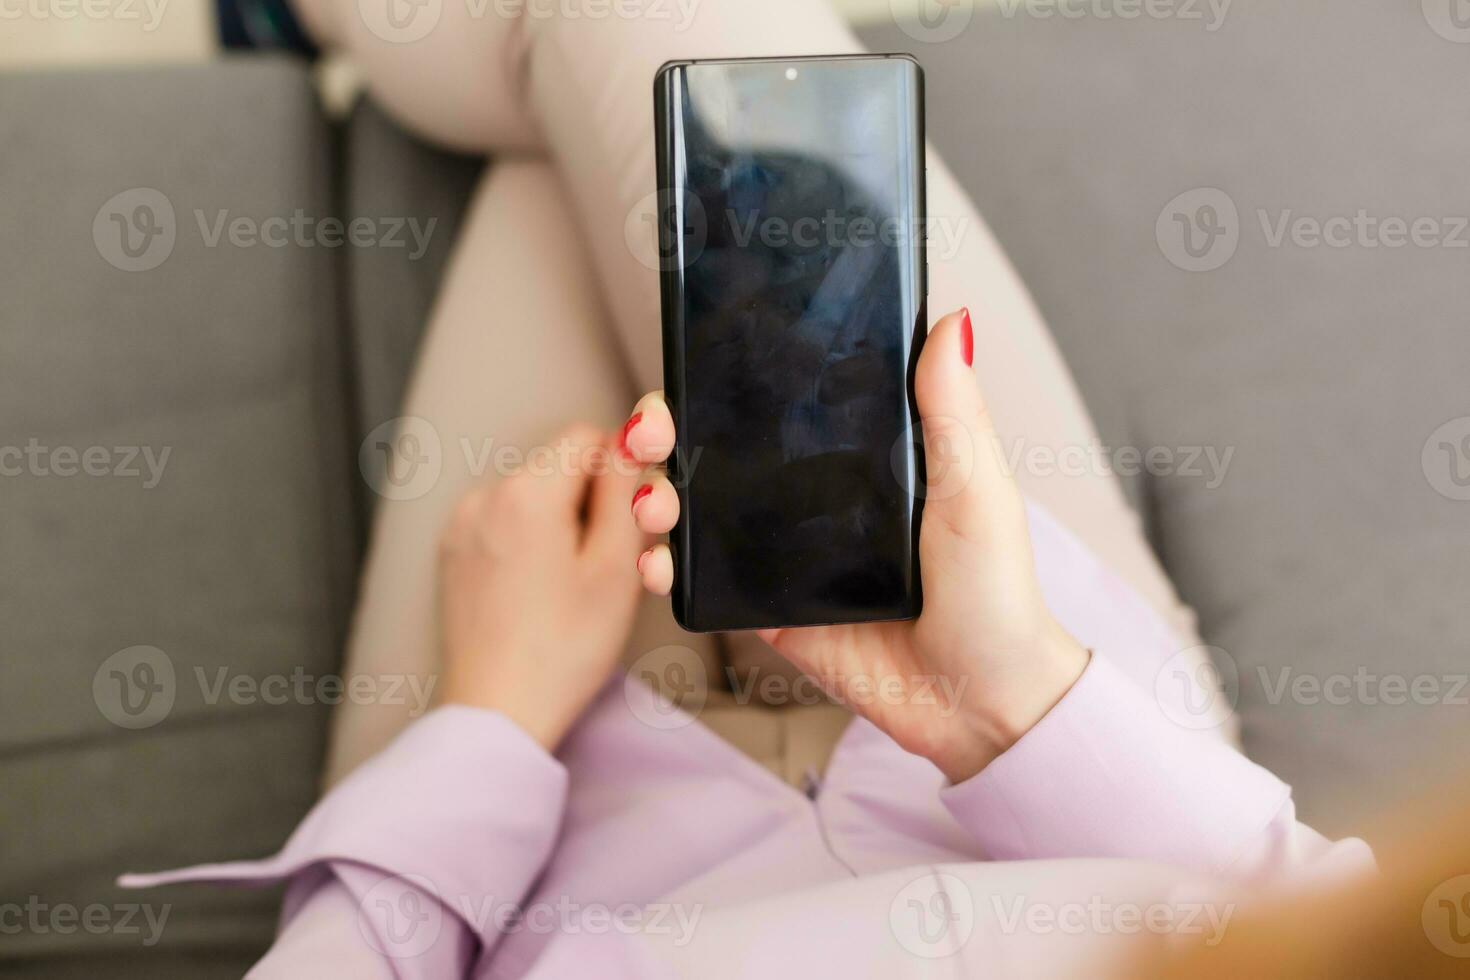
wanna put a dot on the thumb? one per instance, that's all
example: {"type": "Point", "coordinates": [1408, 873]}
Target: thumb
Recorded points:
{"type": "Point", "coordinates": [967, 484]}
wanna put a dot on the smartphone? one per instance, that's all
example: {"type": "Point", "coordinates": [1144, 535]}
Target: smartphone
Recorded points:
{"type": "Point", "coordinates": [792, 266]}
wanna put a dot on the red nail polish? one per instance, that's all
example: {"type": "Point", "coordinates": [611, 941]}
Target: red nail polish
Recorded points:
{"type": "Point", "coordinates": [967, 339]}
{"type": "Point", "coordinates": [640, 493]}
{"type": "Point", "coordinates": [642, 558]}
{"type": "Point", "coordinates": [628, 427]}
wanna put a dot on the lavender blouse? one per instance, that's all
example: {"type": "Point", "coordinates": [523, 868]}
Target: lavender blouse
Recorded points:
{"type": "Point", "coordinates": [465, 850]}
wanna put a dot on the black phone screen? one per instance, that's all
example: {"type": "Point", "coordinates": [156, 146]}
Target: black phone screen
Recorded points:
{"type": "Point", "coordinates": [791, 236]}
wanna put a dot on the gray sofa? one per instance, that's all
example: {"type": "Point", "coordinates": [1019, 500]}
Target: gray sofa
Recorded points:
{"type": "Point", "coordinates": [1334, 546]}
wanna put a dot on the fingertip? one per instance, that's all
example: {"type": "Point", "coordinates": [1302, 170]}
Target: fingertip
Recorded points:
{"type": "Point", "coordinates": [945, 382]}
{"type": "Point", "coordinates": [655, 506]}
{"type": "Point", "coordinates": [951, 341]}
{"type": "Point", "coordinates": [950, 320]}
{"type": "Point", "coordinates": [648, 435]}
{"type": "Point", "coordinates": [656, 568]}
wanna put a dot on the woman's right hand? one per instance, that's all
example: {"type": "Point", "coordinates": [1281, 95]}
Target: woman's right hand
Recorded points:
{"type": "Point", "coordinates": [984, 630]}
{"type": "Point", "coordinates": [536, 595]}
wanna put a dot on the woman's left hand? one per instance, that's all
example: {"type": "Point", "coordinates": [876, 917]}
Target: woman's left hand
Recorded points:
{"type": "Point", "coordinates": [986, 660]}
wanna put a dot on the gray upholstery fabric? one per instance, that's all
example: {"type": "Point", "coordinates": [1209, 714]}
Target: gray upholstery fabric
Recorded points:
{"type": "Point", "coordinates": [1325, 551]}
{"type": "Point", "coordinates": [241, 556]}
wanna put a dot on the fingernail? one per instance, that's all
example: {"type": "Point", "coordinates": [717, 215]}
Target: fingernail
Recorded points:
{"type": "Point", "coordinates": [628, 427]}
{"type": "Point", "coordinates": [642, 558]}
{"type": "Point", "coordinates": [639, 494]}
{"type": "Point", "coordinates": [967, 339]}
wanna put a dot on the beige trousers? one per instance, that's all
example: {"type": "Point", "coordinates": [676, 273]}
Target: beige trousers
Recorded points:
{"type": "Point", "coordinates": [549, 311]}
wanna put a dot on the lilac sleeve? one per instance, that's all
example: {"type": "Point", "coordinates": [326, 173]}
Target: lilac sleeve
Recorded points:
{"type": "Point", "coordinates": [1106, 775]}
{"type": "Point", "coordinates": [400, 870]}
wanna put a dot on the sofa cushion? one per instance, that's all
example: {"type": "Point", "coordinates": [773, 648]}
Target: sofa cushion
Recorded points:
{"type": "Point", "coordinates": [390, 292]}
{"type": "Point", "coordinates": [1328, 563]}
{"type": "Point", "coordinates": [177, 497]}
